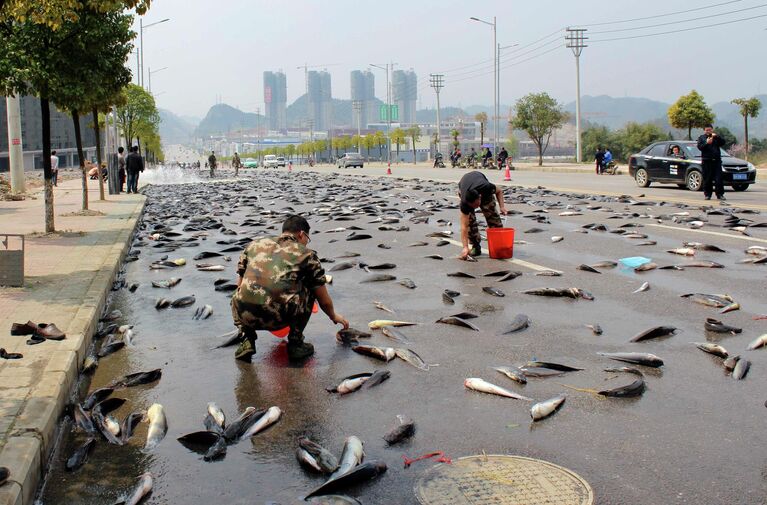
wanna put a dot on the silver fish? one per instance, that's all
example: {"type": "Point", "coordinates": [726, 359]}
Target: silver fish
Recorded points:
{"type": "Point", "coordinates": [546, 408]}
{"type": "Point", "coordinates": [142, 488]}
{"type": "Point", "coordinates": [158, 426]}
{"type": "Point", "coordinates": [486, 387]}
{"type": "Point", "coordinates": [760, 341]}
{"type": "Point", "coordinates": [513, 373]}
{"type": "Point", "coordinates": [644, 287]}
{"type": "Point", "coordinates": [272, 415]}
{"type": "Point", "coordinates": [409, 356]}
{"type": "Point", "coordinates": [351, 456]}
{"type": "Point", "coordinates": [715, 349]}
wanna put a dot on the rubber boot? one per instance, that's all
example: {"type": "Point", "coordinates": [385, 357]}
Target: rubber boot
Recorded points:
{"type": "Point", "coordinates": [476, 250]}
{"type": "Point", "coordinates": [247, 348]}
{"type": "Point", "coordinates": [298, 349]}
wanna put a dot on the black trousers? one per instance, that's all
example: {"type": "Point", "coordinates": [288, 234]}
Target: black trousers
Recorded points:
{"type": "Point", "coordinates": [712, 176]}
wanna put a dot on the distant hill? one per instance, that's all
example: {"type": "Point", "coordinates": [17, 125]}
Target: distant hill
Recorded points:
{"type": "Point", "coordinates": [430, 115]}
{"type": "Point", "coordinates": [223, 118]}
{"type": "Point", "coordinates": [343, 113]}
{"type": "Point", "coordinates": [616, 112]}
{"type": "Point", "coordinates": [174, 129]}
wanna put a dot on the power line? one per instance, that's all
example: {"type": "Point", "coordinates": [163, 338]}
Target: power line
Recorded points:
{"type": "Point", "coordinates": [511, 65]}
{"type": "Point", "coordinates": [681, 30]}
{"type": "Point", "coordinates": [683, 20]}
{"type": "Point", "coordinates": [662, 15]}
{"type": "Point", "coordinates": [509, 59]}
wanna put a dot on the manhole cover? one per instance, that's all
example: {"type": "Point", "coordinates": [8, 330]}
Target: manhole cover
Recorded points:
{"type": "Point", "coordinates": [502, 480]}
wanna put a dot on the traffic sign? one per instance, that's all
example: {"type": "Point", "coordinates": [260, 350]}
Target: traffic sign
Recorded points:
{"type": "Point", "coordinates": [383, 116]}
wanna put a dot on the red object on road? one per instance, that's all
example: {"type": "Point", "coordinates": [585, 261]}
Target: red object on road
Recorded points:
{"type": "Point", "coordinates": [388, 169]}
{"type": "Point", "coordinates": [284, 332]}
{"type": "Point", "coordinates": [507, 173]}
{"type": "Point", "coordinates": [500, 243]}
{"type": "Point", "coordinates": [441, 458]}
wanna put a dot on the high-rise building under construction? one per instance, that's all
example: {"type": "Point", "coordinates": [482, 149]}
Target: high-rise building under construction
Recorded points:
{"type": "Point", "coordinates": [363, 90]}
{"type": "Point", "coordinates": [320, 99]}
{"type": "Point", "coordinates": [275, 100]}
{"type": "Point", "coordinates": [405, 94]}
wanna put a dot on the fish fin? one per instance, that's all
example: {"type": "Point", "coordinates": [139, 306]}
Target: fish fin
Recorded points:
{"type": "Point", "coordinates": [582, 390]}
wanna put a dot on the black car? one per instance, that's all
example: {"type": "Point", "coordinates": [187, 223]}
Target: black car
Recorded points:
{"type": "Point", "coordinates": [658, 163]}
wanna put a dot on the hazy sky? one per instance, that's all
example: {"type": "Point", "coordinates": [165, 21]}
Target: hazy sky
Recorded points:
{"type": "Point", "coordinates": [221, 48]}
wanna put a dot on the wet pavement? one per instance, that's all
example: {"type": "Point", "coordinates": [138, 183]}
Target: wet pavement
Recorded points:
{"type": "Point", "coordinates": [695, 436]}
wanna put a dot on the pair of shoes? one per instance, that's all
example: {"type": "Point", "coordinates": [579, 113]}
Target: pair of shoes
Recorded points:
{"type": "Point", "coordinates": [299, 350]}
{"type": "Point", "coordinates": [49, 331]}
{"type": "Point", "coordinates": [708, 197]}
{"type": "Point", "coordinates": [27, 328]}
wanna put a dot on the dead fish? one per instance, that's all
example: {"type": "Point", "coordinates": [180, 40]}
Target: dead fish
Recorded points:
{"type": "Point", "coordinates": [549, 273]}
{"type": "Point", "coordinates": [342, 266]}
{"type": "Point", "coordinates": [671, 267]}
{"type": "Point", "coordinates": [741, 369]}
{"type": "Point", "coordinates": [381, 306]}
{"type": "Point", "coordinates": [534, 230]}
{"type": "Point", "coordinates": [270, 417]}
{"type": "Point", "coordinates": [461, 274]}
{"type": "Point", "coordinates": [207, 267]}
{"type": "Point", "coordinates": [434, 257]}
{"type": "Point", "coordinates": [110, 348]}
{"type": "Point", "coordinates": [325, 460]}
{"type": "Point", "coordinates": [358, 474]}
{"type": "Point", "coordinates": [638, 358]}
{"type": "Point", "coordinates": [729, 308]}
{"type": "Point", "coordinates": [351, 336]}
{"type": "Point", "coordinates": [587, 268]}
{"type": "Point", "coordinates": [447, 298]}
{"type": "Point", "coordinates": [129, 424]}
{"type": "Point", "coordinates": [716, 326]}
{"type": "Point", "coordinates": [520, 322]}
{"type": "Point", "coordinates": [647, 242]}
{"type": "Point", "coordinates": [103, 425]}
{"type": "Point", "coordinates": [760, 341]}
{"type": "Point", "coordinates": [184, 301]}
{"type": "Point", "coordinates": [138, 378]}
{"type": "Point", "coordinates": [109, 405]}
{"type": "Point", "coordinates": [351, 456]}
{"type": "Point", "coordinates": [510, 276]}
{"type": "Point", "coordinates": [348, 254]}
{"type": "Point", "coordinates": [112, 316]}
{"type": "Point", "coordinates": [78, 458]}
{"type": "Point", "coordinates": [162, 303]}
{"type": "Point", "coordinates": [500, 273]}
{"type": "Point", "coordinates": [513, 373]}
{"type": "Point", "coordinates": [486, 387]}
{"type": "Point", "coordinates": [404, 430]}
{"type": "Point", "coordinates": [158, 426]}
{"type": "Point", "coordinates": [556, 239]}
{"type": "Point", "coordinates": [408, 283]}
{"type": "Point", "coordinates": [494, 291]}
{"type": "Point", "coordinates": [644, 287]}
{"type": "Point", "coordinates": [551, 366]}
{"type": "Point", "coordinates": [756, 250]}
{"type": "Point", "coordinates": [216, 415]}
{"type": "Point", "coordinates": [380, 323]}
{"type": "Point", "coordinates": [703, 264]}
{"type": "Point", "coordinates": [559, 292]}
{"type": "Point", "coordinates": [90, 364]}
{"type": "Point", "coordinates": [418, 244]}
{"type": "Point", "coordinates": [382, 353]}
{"type": "Point", "coordinates": [604, 264]}
{"type": "Point", "coordinates": [97, 396]}
{"type": "Point", "coordinates": [470, 259]}
{"type": "Point", "coordinates": [715, 349]}
{"type": "Point", "coordinates": [546, 408]}
{"type": "Point", "coordinates": [358, 236]}
{"type": "Point", "coordinates": [167, 283]}
{"type": "Point", "coordinates": [133, 287]}
{"type": "Point", "coordinates": [409, 356]}
{"type": "Point", "coordinates": [441, 234]}
{"type": "Point", "coordinates": [633, 389]}
{"type": "Point", "coordinates": [206, 254]}
{"type": "Point", "coordinates": [682, 251]}
{"type": "Point", "coordinates": [379, 278]}
{"type": "Point", "coordinates": [595, 328]}
{"type": "Point", "coordinates": [703, 247]}
{"type": "Point", "coordinates": [307, 461]}
{"type": "Point", "coordinates": [730, 362]}
{"type": "Point", "coordinates": [646, 267]}
{"type": "Point", "coordinates": [710, 300]}
{"type": "Point", "coordinates": [394, 334]}
{"type": "Point", "coordinates": [654, 332]}
{"type": "Point", "coordinates": [203, 312]}
{"type": "Point", "coordinates": [376, 378]}
{"type": "Point", "coordinates": [457, 321]}
{"type": "Point", "coordinates": [140, 490]}
{"type": "Point", "coordinates": [237, 427]}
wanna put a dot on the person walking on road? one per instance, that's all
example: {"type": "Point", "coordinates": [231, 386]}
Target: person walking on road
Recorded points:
{"type": "Point", "coordinates": [599, 156]}
{"type": "Point", "coordinates": [710, 146]}
{"type": "Point", "coordinates": [236, 164]}
{"type": "Point", "coordinates": [279, 278]}
{"type": "Point", "coordinates": [212, 163]}
{"type": "Point", "coordinates": [121, 167]}
{"type": "Point", "coordinates": [134, 164]}
{"type": "Point", "coordinates": [55, 168]}
{"type": "Point", "coordinates": [475, 192]}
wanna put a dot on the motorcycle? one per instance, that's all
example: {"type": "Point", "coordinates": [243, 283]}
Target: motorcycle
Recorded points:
{"type": "Point", "coordinates": [438, 162]}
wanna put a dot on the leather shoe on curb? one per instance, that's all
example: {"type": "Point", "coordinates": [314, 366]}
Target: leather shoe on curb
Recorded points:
{"type": "Point", "coordinates": [34, 339]}
{"type": "Point", "coordinates": [49, 331]}
{"type": "Point", "coordinates": [27, 328]}
{"type": "Point", "coordinates": [10, 355]}
{"type": "Point", "coordinates": [4, 474]}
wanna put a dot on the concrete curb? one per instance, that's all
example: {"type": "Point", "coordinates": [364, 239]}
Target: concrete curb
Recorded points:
{"type": "Point", "coordinates": [35, 429]}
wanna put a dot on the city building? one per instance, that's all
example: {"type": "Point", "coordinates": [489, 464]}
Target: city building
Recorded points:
{"type": "Point", "coordinates": [363, 89]}
{"type": "Point", "coordinates": [62, 135]}
{"type": "Point", "coordinates": [405, 94]}
{"type": "Point", "coordinates": [275, 100]}
{"type": "Point", "coordinates": [320, 99]}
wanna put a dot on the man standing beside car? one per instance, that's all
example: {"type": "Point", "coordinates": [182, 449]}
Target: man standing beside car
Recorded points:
{"type": "Point", "coordinates": [710, 146]}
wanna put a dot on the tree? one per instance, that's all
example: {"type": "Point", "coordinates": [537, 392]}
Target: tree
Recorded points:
{"type": "Point", "coordinates": [690, 111]}
{"type": "Point", "coordinates": [414, 132]}
{"type": "Point", "coordinates": [634, 137]}
{"type": "Point", "coordinates": [380, 140]}
{"type": "Point", "coordinates": [482, 118]}
{"type": "Point", "coordinates": [52, 14]}
{"type": "Point", "coordinates": [748, 107]}
{"type": "Point", "coordinates": [139, 115]}
{"type": "Point", "coordinates": [595, 137]}
{"type": "Point", "coordinates": [539, 115]}
{"type": "Point", "coordinates": [729, 137]}
{"type": "Point", "coordinates": [455, 134]}
{"type": "Point", "coordinates": [368, 142]}
{"type": "Point", "coordinates": [397, 137]}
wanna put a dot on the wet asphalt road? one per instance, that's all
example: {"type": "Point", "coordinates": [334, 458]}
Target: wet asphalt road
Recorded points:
{"type": "Point", "coordinates": [695, 436]}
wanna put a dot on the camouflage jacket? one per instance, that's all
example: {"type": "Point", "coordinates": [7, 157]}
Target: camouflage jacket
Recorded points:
{"type": "Point", "coordinates": [276, 270]}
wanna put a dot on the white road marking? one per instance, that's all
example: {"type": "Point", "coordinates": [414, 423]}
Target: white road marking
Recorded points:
{"type": "Point", "coordinates": [706, 232]}
{"type": "Point", "coordinates": [522, 263]}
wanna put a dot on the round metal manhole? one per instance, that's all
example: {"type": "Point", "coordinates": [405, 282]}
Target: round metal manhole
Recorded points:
{"type": "Point", "coordinates": [502, 480]}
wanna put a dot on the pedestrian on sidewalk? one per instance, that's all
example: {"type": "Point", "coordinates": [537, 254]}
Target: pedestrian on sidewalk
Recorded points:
{"type": "Point", "coordinates": [212, 163]}
{"type": "Point", "coordinates": [278, 280]}
{"type": "Point", "coordinates": [475, 192]}
{"type": "Point", "coordinates": [134, 164]}
{"type": "Point", "coordinates": [55, 168]}
{"type": "Point", "coordinates": [599, 156]}
{"type": "Point", "coordinates": [121, 167]}
{"type": "Point", "coordinates": [710, 146]}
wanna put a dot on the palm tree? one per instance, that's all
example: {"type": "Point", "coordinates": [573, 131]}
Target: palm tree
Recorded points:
{"type": "Point", "coordinates": [454, 134]}
{"type": "Point", "coordinates": [397, 137]}
{"type": "Point", "coordinates": [749, 107]}
{"type": "Point", "coordinates": [414, 132]}
{"type": "Point", "coordinates": [482, 118]}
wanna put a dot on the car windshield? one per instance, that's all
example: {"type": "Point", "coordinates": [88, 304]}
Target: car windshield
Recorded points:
{"type": "Point", "coordinates": [353, 155]}
{"type": "Point", "coordinates": [694, 152]}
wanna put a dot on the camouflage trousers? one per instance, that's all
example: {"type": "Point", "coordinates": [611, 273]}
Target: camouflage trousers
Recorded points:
{"type": "Point", "coordinates": [488, 208]}
{"type": "Point", "coordinates": [250, 318]}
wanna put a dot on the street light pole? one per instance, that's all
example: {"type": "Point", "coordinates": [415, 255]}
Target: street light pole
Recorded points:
{"type": "Point", "coordinates": [141, 41]}
{"type": "Point", "coordinates": [357, 106]}
{"type": "Point", "coordinates": [150, 76]}
{"type": "Point", "coordinates": [575, 41]}
{"type": "Point", "coordinates": [495, 80]}
{"type": "Point", "coordinates": [498, 101]}
{"type": "Point", "coordinates": [388, 109]}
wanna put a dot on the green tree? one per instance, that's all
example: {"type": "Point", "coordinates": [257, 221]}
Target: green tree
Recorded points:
{"type": "Point", "coordinates": [53, 14]}
{"type": "Point", "coordinates": [368, 142]}
{"type": "Point", "coordinates": [290, 150]}
{"type": "Point", "coordinates": [455, 134]}
{"type": "Point", "coordinates": [729, 137]}
{"type": "Point", "coordinates": [595, 137]}
{"type": "Point", "coordinates": [397, 137]}
{"type": "Point", "coordinates": [414, 133]}
{"type": "Point", "coordinates": [482, 118]}
{"type": "Point", "coordinates": [690, 111]}
{"type": "Point", "coordinates": [634, 137]}
{"type": "Point", "coordinates": [748, 107]}
{"type": "Point", "coordinates": [380, 140]}
{"type": "Point", "coordinates": [139, 115]}
{"type": "Point", "coordinates": [539, 115]}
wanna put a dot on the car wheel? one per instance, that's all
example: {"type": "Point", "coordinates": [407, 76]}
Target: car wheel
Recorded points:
{"type": "Point", "coordinates": [694, 180]}
{"type": "Point", "coordinates": [740, 187]}
{"type": "Point", "coordinates": [641, 178]}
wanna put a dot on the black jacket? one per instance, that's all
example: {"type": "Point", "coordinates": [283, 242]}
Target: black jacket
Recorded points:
{"type": "Point", "coordinates": [134, 163]}
{"type": "Point", "coordinates": [710, 151]}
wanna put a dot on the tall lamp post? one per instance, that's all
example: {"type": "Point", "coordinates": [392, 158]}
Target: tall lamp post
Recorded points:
{"type": "Point", "coordinates": [141, 41]}
{"type": "Point", "coordinates": [498, 83]}
{"type": "Point", "coordinates": [150, 76]}
{"type": "Point", "coordinates": [495, 80]}
{"type": "Point", "coordinates": [388, 108]}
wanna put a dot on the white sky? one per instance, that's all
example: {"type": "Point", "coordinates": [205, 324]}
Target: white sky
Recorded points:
{"type": "Point", "coordinates": [221, 48]}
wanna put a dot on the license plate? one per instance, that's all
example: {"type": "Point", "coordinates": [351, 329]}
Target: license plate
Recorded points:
{"type": "Point", "coordinates": [739, 177]}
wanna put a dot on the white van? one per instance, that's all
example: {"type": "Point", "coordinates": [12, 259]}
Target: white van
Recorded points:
{"type": "Point", "coordinates": [270, 161]}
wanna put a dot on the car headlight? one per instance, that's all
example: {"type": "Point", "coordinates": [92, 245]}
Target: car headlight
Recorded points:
{"type": "Point", "coordinates": [751, 166]}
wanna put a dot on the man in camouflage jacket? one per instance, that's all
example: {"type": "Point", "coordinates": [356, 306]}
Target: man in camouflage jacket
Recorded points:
{"type": "Point", "coordinates": [279, 279]}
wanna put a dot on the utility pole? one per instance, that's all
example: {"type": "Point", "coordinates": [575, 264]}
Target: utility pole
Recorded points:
{"type": "Point", "coordinates": [437, 81]}
{"type": "Point", "coordinates": [15, 149]}
{"type": "Point", "coordinates": [357, 106]}
{"type": "Point", "coordinates": [494, 26]}
{"type": "Point", "coordinates": [575, 40]}
{"type": "Point", "coordinates": [388, 108]}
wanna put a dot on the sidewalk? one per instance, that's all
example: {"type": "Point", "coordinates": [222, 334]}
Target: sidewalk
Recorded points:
{"type": "Point", "coordinates": [68, 278]}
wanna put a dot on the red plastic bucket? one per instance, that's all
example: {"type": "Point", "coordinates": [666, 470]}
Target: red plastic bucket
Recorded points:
{"type": "Point", "coordinates": [284, 332]}
{"type": "Point", "coordinates": [500, 243]}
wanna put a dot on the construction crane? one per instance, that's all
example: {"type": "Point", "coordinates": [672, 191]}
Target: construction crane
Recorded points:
{"type": "Point", "coordinates": [306, 68]}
